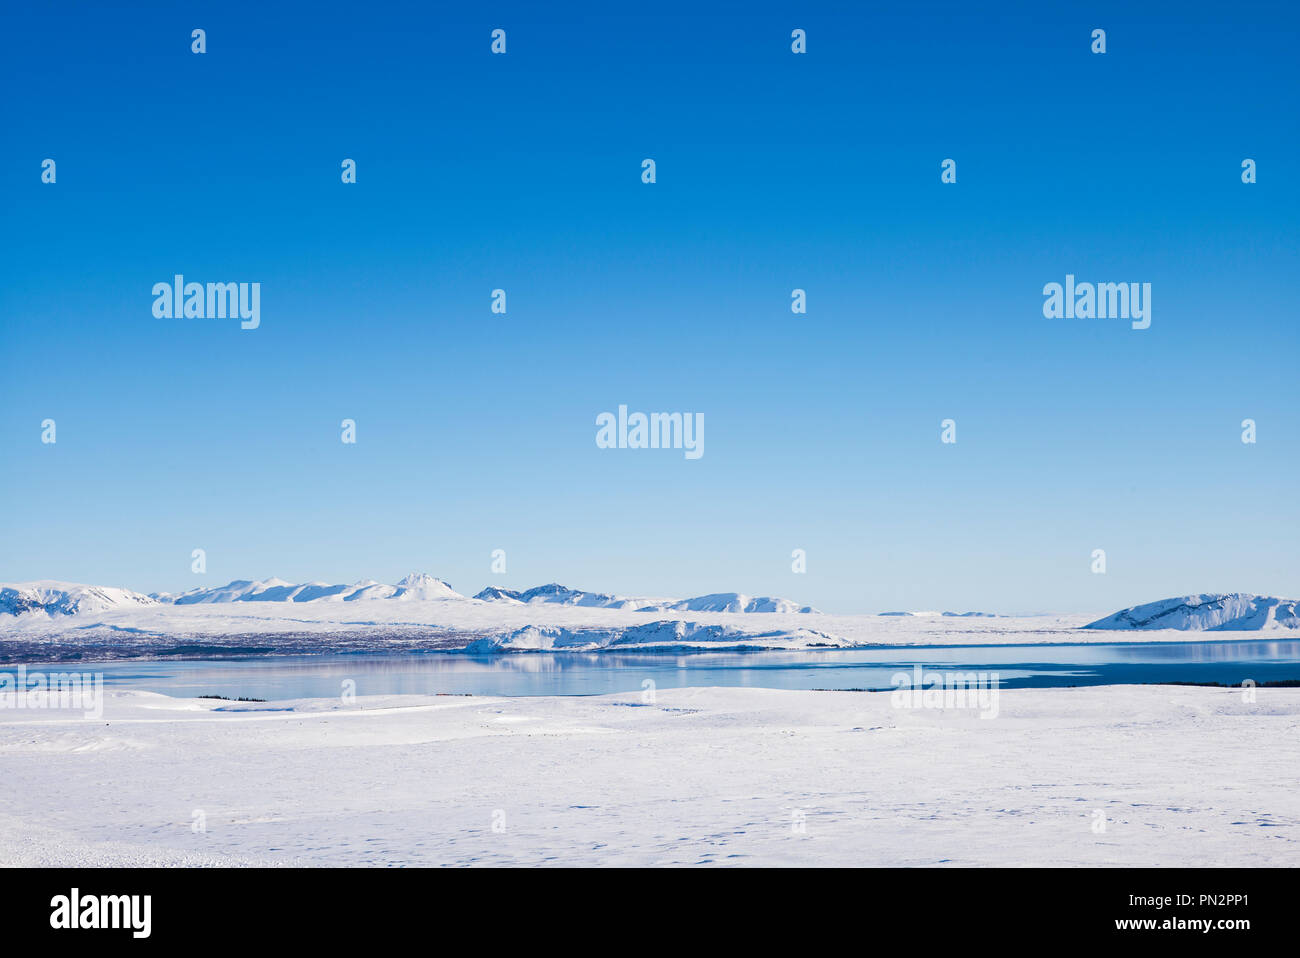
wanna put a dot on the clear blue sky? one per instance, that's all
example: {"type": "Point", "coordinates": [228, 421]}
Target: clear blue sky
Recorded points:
{"type": "Point", "coordinates": [476, 431]}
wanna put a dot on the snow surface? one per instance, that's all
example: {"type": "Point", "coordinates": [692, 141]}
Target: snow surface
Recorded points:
{"type": "Point", "coordinates": [1212, 612]}
{"type": "Point", "coordinates": [705, 776]}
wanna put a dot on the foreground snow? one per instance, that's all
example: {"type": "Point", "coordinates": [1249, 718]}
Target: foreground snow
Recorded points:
{"type": "Point", "coordinates": [1182, 776]}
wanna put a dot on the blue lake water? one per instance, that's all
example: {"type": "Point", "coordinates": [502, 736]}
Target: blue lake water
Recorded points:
{"type": "Point", "coordinates": [1040, 666]}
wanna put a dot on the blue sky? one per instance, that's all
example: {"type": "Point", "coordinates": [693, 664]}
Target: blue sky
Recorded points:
{"type": "Point", "coordinates": [774, 171]}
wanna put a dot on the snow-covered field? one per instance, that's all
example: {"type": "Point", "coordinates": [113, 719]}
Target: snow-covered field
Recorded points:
{"type": "Point", "coordinates": [1124, 775]}
{"type": "Point", "coordinates": [1179, 776]}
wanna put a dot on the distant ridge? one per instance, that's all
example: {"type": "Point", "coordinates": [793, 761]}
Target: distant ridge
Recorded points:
{"type": "Point", "coordinates": [716, 602]}
{"type": "Point", "coordinates": [414, 587]}
{"type": "Point", "coordinates": [560, 595]}
{"type": "Point", "coordinates": [1210, 612]}
{"type": "Point", "coordinates": [951, 615]}
{"type": "Point", "coordinates": [66, 598]}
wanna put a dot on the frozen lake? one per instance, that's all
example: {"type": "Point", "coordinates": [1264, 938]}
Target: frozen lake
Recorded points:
{"type": "Point", "coordinates": [1041, 666]}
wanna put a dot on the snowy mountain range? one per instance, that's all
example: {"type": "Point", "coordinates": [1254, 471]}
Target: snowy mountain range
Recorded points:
{"type": "Point", "coordinates": [415, 587]}
{"type": "Point", "coordinates": [65, 598]}
{"type": "Point", "coordinates": [1210, 612]}
{"type": "Point", "coordinates": [716, 602]}
{"type": "Point", "coordinates": [396, 603]}
{"type": "Point", "coordinates": [951, 615]}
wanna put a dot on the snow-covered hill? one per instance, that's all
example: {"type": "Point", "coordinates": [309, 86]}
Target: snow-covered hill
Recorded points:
{"type": "Point", "coordinates": [66, 598]}
{"type": "Point", "coordinates": [70, 599]}
{"type": "Point", "coordinates": [1238, 612]}
{"type": "Point", "coordinates": [557, 594]}
{"type": "Point", "coordinates": [415, 587]}
{"type": "Point", "coordinates": [716, 602]}
{"type": "Point", "coordinates": [733, 602]}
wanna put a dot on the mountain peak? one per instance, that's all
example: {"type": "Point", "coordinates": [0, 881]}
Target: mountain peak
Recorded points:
{"type": "Point", "coordinates": [419, 580]}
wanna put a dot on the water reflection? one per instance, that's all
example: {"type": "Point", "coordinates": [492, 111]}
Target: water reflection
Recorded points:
{"type": "Point", "coordinates": [321, 676]}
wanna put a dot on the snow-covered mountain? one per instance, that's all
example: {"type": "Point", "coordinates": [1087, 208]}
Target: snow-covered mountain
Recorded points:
{"type": "Point", "coordinates": [66, 598]}
{"type": "Point", "coordinates": [1238, 612]}
{"type": "Point", "coordinates": [731, 602]}
{"type": "Point", "coordinates": [416, 586]}
{"type": "Point", "coordinates": [69, 599]}
{"type": "Point", "coordinates": [557, 594]}
{"type": "Point", "coordinates": [493, 594]}
{"type": "Point", "coordinates": [716, 602]}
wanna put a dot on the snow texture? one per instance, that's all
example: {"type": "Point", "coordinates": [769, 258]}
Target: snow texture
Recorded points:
{"type": "Point", "coordinates": [697, 776]}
